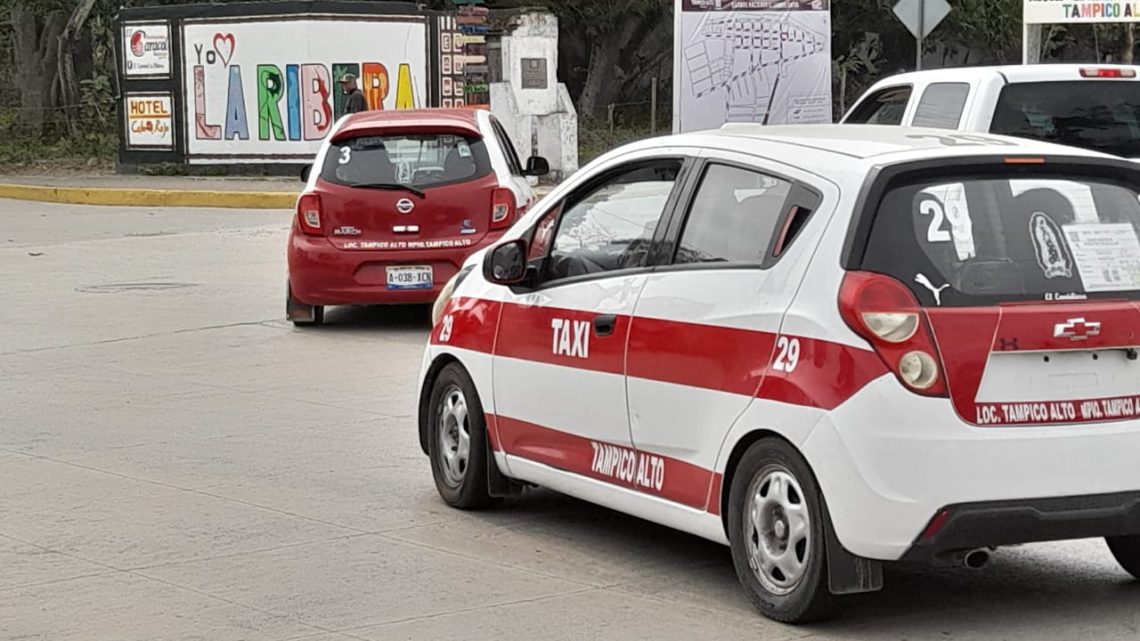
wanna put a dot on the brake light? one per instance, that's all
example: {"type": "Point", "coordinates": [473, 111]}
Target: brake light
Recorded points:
{"type": "Point", "coordinates": [309, 214]}
{"type": "Point", "coordinates": [502, 208]}
{"type": "Point", "coordinates": [1096, 72]}
{"type": "Point", "coordinates": [886, 313]}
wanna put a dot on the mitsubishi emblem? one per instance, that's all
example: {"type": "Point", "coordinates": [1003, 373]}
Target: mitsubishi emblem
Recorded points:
{"type": "Point", "coordinates": [405, 206]}
{"type": "Point", "coordinates": [1076, 329]}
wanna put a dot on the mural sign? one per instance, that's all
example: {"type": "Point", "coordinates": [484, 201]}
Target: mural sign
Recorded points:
{"type": "Point", "coordinates": [146, 50]}
{"type": "Point", "coordinates": [266, 90]}
{"type": "Point", "coordinates": [150, 120]}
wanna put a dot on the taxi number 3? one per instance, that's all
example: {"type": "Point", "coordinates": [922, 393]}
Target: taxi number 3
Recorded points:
{"type": "Point", "coordinates": [787, 354]}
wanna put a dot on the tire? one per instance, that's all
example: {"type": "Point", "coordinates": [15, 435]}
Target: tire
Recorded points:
{"type": "Point", "coordinates": [790, 582]}
{"type": "Point", "coordinates": [457, 440]}
{"type": "Point", "coordinates": [302, 314]}
{"type": "Point", "coordinates": [1126, 549]}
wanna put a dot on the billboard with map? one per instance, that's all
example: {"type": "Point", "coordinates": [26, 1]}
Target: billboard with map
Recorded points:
{"type": "Point", "coordinates": [762, 61]}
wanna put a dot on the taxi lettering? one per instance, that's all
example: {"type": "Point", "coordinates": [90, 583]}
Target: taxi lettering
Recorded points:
{"type": "Point", "coordinates": [629, 466]}
{"type": "Point", "coordinates": [570, 338]}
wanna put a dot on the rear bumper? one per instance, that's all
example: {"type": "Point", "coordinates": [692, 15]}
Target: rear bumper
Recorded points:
{"type": "Point", "coordinates": [974, 525]}
{"type": "Point", "coordinates": [321, 274]}
{"type": "Point", "coordinates": [888, 461]}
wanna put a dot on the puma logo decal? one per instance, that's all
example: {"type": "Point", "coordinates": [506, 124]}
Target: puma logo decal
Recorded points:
{"type": "Point", "coordinates": [921, 279]}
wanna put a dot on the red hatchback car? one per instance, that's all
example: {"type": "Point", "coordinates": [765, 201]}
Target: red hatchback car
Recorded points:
{"type": "Point", "coordinates": [395, 203]}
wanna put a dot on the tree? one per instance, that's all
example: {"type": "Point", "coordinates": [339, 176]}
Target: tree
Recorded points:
{"type": "Point", "coordinates": [625, 41]}
{"type": "Point", "coordinates": [35, 42]}
{"type": "Point", "coordinates": [68, 44]}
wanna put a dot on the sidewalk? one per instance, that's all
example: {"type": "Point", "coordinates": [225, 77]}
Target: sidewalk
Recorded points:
{"type": "Point", "coordinates": [113, 190]}
{"type": "Point", "coordinates": [154, 191]}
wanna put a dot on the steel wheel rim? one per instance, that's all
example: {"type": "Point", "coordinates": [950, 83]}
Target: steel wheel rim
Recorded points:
{"type": "Point", "coordinates": [454, 433]}
{"type": "Point", "coordinates": [777, 530]}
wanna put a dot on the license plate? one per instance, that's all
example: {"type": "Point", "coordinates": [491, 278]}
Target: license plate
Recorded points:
{"type": "Point", "coordinates": [410, 277]}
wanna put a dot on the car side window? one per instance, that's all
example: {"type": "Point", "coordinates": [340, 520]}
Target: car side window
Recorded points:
{"type": "Point", "coordinates": [611, 225]}
{"type": "Point", "coordinates": [941, 105]}
{"type": "Point", "coordinates": [733, 217]}
{"type": "Point", "coordinates": [884, 107]}
{"type": "Point", "coordinates": [508, 148]}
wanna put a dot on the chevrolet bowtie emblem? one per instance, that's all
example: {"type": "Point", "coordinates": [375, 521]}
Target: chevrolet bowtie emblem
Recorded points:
{"type": "Point", "coordinates": [1076, 329]}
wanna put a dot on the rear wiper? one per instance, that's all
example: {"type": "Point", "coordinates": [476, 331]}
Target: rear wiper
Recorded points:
{"type": "Point", "coordinates": [389, 187]}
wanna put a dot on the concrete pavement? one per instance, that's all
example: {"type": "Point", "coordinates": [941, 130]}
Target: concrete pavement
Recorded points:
{"type": "Point", "coordinates": [176, 462]}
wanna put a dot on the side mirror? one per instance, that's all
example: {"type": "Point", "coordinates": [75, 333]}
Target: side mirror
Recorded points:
{"type": "Point", "coordinates": [506, 264]}
{"type": "Point", "coordinates": [305, 171]}
{"type": "Point", "coordinates": [537, 166]}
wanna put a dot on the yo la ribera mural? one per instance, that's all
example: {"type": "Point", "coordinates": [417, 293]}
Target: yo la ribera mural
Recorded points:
{"type": "Point", "coordinates": [266, 91]}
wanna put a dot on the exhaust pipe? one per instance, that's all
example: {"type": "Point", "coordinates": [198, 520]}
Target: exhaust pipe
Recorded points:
{"type": "Point", "coordinates": [976, 559]}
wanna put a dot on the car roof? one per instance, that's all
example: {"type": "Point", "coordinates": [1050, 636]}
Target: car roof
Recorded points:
{"type": "Point", "coordinates": [1011, 73]}
{"type": "Point", "coordinates": [823, 149]}
{"type": "Point", "coordinates": [464, 120]}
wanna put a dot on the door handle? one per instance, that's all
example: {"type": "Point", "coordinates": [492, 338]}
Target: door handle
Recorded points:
{"type": "Point", "coordinates": [605, 325]}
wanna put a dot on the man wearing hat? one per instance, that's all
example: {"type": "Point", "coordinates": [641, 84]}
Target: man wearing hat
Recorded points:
{"type": "Point", "coordinates": [354, 98]}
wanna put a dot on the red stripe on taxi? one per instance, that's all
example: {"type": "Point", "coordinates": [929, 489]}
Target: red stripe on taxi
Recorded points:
{"type": "Point", "coordinates": [648, 473]}
{"type": "Point", "coordinates": [799, 371]}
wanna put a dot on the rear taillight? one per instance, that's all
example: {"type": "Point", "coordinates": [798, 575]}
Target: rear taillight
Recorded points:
{"type": "Point", "coordinates": [502, 208]}
{"type": "Point", "coordinates": [309, 214]}
{"type": "Point", "coordinates": [886, 313]}
{"type": "Point", "coordinates": [1098, 72]}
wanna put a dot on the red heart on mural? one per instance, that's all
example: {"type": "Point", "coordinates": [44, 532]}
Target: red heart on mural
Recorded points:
{"type": "Point", "coordinates": [224, 45]}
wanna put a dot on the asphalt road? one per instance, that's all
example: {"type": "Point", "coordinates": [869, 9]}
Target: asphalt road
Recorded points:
{"type": "Point", "coordinates": [177, 462]}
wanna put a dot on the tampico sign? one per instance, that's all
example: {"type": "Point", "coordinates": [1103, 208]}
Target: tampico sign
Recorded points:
{"type": "Point", "coordinates": [266, 90]}
{"type": "Point", "coordinates": [1071, 11]}
{"type": "Point", "coordinates": [150, 121]}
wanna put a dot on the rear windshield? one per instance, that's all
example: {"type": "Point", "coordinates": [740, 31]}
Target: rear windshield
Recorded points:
{"type": "Point", "coordinates": [419, 160]}
{"type": "Point", "coordinates": [981, 241]}
{"type": "Point", "coordinates": [1102, 115]}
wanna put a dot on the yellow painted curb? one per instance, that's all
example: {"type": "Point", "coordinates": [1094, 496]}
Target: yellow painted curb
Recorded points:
{"type": "Point", "coordinates": [110, 197]}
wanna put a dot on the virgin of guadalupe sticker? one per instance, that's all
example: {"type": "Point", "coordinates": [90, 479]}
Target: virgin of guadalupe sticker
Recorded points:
{"type": "Point", "coordinates": [1052, 255]}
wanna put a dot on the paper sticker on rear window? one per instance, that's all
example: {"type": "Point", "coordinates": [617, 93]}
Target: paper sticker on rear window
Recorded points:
{"type": "Point", "coordinates": [1107, 256]}
{"type": "Point", "coordinates": [464, 149]}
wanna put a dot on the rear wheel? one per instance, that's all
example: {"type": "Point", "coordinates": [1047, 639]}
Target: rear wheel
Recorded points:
{"type": "Point", "coordinates": [457, 441]}
{"type": "Point", "coordinates": [302, 314]}
{"type": "Point", "coordinates": [1126, 549]}
{"type": "Point", "coordinates": [775, 521]}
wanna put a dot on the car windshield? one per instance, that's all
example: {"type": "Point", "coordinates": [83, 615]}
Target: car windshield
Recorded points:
{"type": "Point", "coordinates": [1102, 115]}
{"type": "Point", "coordinates": [973, 241]}
{"type": "Point", "coordinates": [413, 160]}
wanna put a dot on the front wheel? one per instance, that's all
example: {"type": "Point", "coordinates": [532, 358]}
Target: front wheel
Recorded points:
{"type": "Point", "coordinates": [776, 530]}
{"type": "Point", "coordinates": [1126, 549]}
{"type": "Point", "coordinates": [457, 442]}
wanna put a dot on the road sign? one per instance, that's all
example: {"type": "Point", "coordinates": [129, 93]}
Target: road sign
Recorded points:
{"type": "Point", "coordinates": [921, 17]}
{"type": "Point", "coordinates": [908, 12]}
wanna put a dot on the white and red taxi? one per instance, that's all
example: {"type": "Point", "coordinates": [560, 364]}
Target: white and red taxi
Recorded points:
{"type": "Point", "coordinates": [827, 347]}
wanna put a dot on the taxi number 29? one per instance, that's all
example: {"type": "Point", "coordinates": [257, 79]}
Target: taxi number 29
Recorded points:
{"type": "Point", "coordinates": [787, 354]}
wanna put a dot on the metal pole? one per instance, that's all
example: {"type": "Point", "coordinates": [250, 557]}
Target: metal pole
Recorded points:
{"type": "Point", "coordinates": [610, 117]}
{"type": "Point", "coordinates": [1024, 42]}
{"type": "Point", "coordinates": [653, 107]}
{"type": "Point", "coordinates": [920, 36]}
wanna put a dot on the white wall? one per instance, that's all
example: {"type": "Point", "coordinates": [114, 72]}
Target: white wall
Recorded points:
{"type": "Point", "coordinates": [547, 114]}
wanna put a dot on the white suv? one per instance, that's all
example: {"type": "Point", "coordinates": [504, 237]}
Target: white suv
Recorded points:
{"type": "Point", "coordinates": [1093, 107]}
{"type": "Point", "coordinates": [827, 347]}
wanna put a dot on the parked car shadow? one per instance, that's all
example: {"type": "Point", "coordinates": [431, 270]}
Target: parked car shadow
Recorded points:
{"type": "Point", "coordinates": [1062, 590]}
{"type": "Point", "coordinates": [363, 319]}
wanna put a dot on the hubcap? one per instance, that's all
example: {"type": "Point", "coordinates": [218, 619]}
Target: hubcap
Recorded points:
{"type": "Point", "coordinates": [454, 435]}
{"type": "Point", "coordinates": [777, 530]}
